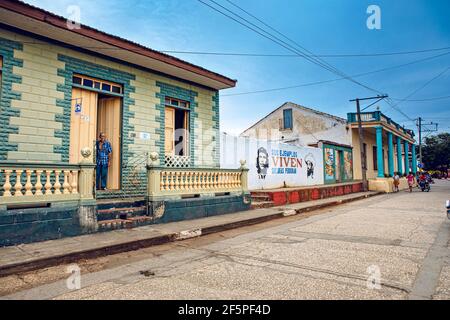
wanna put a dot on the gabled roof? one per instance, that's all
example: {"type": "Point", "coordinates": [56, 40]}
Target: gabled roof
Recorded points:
{"type": "Point", "coordinates": [293, 105]}
{"type": "Point", "coordinates": [23, 16]}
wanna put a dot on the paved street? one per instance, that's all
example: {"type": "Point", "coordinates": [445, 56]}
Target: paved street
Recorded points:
{"type": "Point", "coordinates": [404, 237]}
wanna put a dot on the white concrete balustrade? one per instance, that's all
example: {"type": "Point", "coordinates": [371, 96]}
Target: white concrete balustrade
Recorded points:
{"type": "Point", "coordinates": [164, 182]}
{"type": "Point", "coordinates": [175, 180]}
{"type": "Point", "coordinates": [35, 184]}
{"type": "Point", "coordinates": [38, 182]}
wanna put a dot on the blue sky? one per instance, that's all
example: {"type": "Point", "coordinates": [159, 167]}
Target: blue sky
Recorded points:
{"type": "Point", "coordinates": [321, 26]}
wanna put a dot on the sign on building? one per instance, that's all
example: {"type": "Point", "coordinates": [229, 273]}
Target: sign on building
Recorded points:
{"type": "Point", "coordinates": [273, 165]}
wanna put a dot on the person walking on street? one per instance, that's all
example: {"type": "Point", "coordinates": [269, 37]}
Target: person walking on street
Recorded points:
{"type": "Point", "coordinates": [104, 151]}
{"type": "Point", "coordinates": [411, 179]}
{"type": "Point", "coordinates": [396, 182]}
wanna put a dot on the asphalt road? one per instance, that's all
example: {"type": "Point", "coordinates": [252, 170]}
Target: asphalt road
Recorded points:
{"type": "Point", "coordinates": [388, 247]}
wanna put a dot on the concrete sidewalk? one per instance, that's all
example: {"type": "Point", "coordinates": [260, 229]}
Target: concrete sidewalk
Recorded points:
{"type": "Point", "coordinates": [34, 256]}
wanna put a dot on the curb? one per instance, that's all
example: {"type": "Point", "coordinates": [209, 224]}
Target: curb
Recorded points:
{"type": "Point", "coordinates": [7, 270]}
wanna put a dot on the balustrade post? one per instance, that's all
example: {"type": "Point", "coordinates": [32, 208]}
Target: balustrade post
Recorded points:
{"type": "Point", "coordinates": [18, 186]}
{"type": "Point", "coordinates": [7, 186]}
{"type": "Point", "coordinates": [57, 185]}
{"type": "Point", "coordinates": [75, 179]}
{"type": "Point", "coordinates": [66, 185]}
{"type": "Point", "coordinates": [48, 184]}
{"type": "Point", "coordinates": [189, 181]}
{"type": "Point", "coordinates": [38, 184]}
{"type": "Point", "coordinates": [28, 185]}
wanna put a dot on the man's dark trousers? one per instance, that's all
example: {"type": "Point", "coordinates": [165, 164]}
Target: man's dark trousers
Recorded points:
{"type": "Point", "coordinates": [102, 176]}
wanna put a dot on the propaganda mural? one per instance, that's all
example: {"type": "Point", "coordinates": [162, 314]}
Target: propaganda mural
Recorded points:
{"type": "Point", "coordinates": [273, 165]}
{"type": "Point", "coordinates": [330, 164]}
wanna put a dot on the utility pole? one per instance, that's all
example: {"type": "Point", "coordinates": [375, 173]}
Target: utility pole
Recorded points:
{"type": "Point", "coordinates": [361, 134]}
{"type": "Point", "coordinates": [423, 128]}
{"type": "Point", "coordinates": [420, 140]}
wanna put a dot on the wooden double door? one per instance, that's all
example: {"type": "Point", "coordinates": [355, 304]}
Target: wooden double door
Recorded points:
{"type": "Point", "coordinates": [91, 114]}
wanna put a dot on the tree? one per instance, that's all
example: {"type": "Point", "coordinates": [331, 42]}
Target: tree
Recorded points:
{"type": "Point", "coordinates": [436, 152]}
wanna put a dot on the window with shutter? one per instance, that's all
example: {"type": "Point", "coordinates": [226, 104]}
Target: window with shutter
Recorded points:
{"type": "Point", "coordinates": [170, 131]}
{"type": "Point", "coordinates": [287, 119]}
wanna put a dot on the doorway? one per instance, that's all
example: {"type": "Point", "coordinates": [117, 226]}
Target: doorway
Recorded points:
{"type": "Point", "coordinates": [94, 112]}
{"type": "Point", "coordinates": [109, 122]}
{"type": "Point", "coordinates": [340, 166]}
{"type": "Point", "coordinates": [176, 132]}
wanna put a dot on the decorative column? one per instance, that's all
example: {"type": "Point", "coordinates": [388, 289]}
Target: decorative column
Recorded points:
{"type": "Point", "coordinates": [380, 160]}
{"type": "Point", "coordinates": [414, 159]}
{"type": "Point", "coordinates": [391, 154]}
{"type": "Point", "coordinates": [399, 156]}
{"type": "Point", "coordinates": [406, 157]}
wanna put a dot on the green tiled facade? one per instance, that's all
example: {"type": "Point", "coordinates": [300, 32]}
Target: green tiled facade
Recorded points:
{"type": "Point", "coordinates": [35, 116]}
{"type": "Point", "coordinates": [36, 107]}
{"type": "Point", "coordinates": [7, 94]}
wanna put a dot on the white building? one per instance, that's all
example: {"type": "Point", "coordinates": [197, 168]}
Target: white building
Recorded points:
{"type": "Point", "coordinates": [300, 126]}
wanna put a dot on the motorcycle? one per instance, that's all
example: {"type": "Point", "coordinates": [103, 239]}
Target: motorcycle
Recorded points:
{"type": "Point", "coordinates": [448, 208]}
{"type": "Point", "coordinates": [424, 186]}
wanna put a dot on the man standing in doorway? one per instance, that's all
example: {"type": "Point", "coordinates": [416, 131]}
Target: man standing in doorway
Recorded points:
{"type": "Point", "coordinates": [104, 151]}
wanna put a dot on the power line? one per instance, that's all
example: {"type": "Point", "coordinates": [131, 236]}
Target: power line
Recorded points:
{"type": "Point", "coordinates": [423, 86]}
{"type": "Point", "coordinates": [347, 55]}
{"type": "Point", "coordinates": [424, 100]}
{"type": "Point", "coordinates": [342, 55]}
{"type": "Point", "coordinates": [321, 62]}
{"type": "Point", "coordinates": [336, 79]}
{"type": "Point", "coordinates": [281, 42]}
{"type": "Point", "coordinates": [395, 105]}
{"type": "Point", "coordinates": [277, 40]}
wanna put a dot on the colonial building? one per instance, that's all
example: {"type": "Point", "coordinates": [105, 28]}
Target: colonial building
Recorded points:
{"type": "Point", "coordinates": [388, 148]}
{"type": "Point", "coordinates": [61, 85]}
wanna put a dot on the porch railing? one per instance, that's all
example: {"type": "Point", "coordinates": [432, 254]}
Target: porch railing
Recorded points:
{"type": "Point", "coordinates": [167, 182]}
{"type": "Point", "coordinates": [34, 183]}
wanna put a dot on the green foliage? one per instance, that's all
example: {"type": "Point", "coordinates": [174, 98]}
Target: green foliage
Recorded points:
{"type": "Point", "coordinates": [436, 152]}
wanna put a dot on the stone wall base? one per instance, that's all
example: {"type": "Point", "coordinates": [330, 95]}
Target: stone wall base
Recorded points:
{"type": "Point", "coordinates": [386, 184]}
{"type": "Point", "coordinates": [187, 209]}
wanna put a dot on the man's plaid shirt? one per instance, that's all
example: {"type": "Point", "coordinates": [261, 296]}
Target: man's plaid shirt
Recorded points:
{"type": "Point", "coordinates": [102, 155]}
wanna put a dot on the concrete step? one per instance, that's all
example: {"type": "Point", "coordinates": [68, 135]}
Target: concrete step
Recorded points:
{"type": "Point", "coordinates": [105, 204]}
{"type": "Point", "coordinates": [114, 224]}
{"type": "Point", "coordinates": [262, 204]}
{"type": "Point", "coordinates": [260, 193]}
{"type": "Point", "coordinates": [260, 198]}
{"type": "Point", "coordinates": [140, 221]}
{"type": "Point", "coordinates": [122, 213]}
{"type": "Point", "coordinates": [132, 222]}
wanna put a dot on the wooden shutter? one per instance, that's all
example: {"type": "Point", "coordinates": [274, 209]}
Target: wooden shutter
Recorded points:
{"type": "Point", "coordinates": [170, 131]}
{"type": "Point", "coordinates": [287, 115]}
{"type": "Point", "coordinates": [83, 124]}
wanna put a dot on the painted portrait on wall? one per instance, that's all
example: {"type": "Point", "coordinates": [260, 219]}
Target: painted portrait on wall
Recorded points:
{"type": "Point", "coordinates": [310, 165]}
{"type": "Point", "coordinates": [262, 163]}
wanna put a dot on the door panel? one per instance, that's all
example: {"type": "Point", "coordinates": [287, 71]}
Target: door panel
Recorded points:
{"type": "Point", "coordinates": [170, 131]}
{"type": "Point", "coordinates": [83, 125]}
{"type": "Point", "coordinates": [109, 122]}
